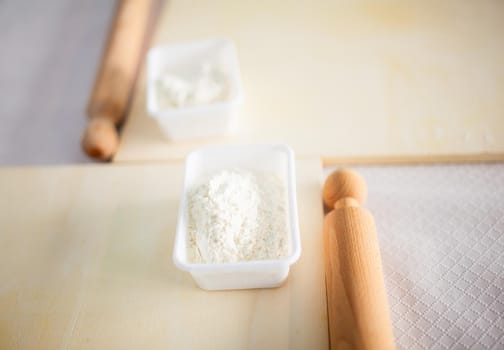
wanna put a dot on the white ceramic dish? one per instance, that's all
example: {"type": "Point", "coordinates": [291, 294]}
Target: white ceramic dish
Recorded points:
{"type": "Point", "coordinates": [248, 274]}
{"type": "Point", "coordinates": [202, 120]}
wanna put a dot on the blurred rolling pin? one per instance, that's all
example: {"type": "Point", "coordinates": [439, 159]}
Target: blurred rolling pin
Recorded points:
{"type": "Point", "coordinates": [114, 84]}
{"type": "Point", "coordinates": [356, 296]}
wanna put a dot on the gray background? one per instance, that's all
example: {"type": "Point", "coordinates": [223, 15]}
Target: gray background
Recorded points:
{"type": "Point", "coordinates": [49, 53]}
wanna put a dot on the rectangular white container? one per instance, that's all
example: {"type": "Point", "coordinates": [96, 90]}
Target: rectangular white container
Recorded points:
{"type": "Point", "coordinates": [248, 274]}
{"type": "Point", "coordinates": [194, 121]}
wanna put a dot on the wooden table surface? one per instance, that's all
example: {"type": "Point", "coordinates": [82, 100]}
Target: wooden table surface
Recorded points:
{"type": "Point", "coordinates": [349, 81]}
{"type": "Point", "coordinates": [86, 262]}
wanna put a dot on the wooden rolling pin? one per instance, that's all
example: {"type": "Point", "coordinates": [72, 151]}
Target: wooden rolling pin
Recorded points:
{"type": "Point", "coordinates": [357, 299]}
{"type": "Point", "coordinates": [116, 78]}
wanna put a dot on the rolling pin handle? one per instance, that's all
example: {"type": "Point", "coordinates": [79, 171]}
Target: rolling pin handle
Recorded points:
{"type": "Point", "coordinates": [344, 183]}
{"type": "Point", "coordinates": [114, 84]}
{"type": "Point", "coordinates": [346, 202]}
{"type": "Point", "coordinates": [100, 139]}
{"type": "Point", "coordinates": [356, 295]}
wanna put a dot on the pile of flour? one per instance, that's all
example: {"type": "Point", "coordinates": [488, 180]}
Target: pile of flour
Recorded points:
{"type": "Point", "coordinates": [238, 215]}
{"type": "Point", "coordinates": [200, 85]}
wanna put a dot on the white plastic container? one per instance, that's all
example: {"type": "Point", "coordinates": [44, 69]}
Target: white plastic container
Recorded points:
{"type": "Point", "coordinates": [202, 120]}
{"type": "Point", "coordinates": [247, 274]}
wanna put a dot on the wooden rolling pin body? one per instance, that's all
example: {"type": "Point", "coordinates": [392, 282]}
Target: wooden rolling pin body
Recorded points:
{"type": "Point", "coordinates": [357, 300]}
{"type": "Point", "coordinates": [116, 78]}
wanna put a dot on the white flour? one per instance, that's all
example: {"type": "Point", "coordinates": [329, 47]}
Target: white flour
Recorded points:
{"type": "Point", "coordinates": [238, 216]}
{"type": "Point", "coordinates": [204, 84]}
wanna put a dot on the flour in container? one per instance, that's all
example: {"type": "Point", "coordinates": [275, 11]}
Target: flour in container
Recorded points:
{"type": "Point", "coordinates": [200, 85]}
{"type": "Point", "coordinates": [238, 215]}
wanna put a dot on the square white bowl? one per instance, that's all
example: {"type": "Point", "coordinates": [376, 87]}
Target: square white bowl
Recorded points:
{"type": "Point", "coordinates": [190, 122]}
{"type": "Point", "coordinates": [204, 162]}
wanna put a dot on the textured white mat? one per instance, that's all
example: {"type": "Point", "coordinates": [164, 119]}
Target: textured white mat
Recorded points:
{"type": "Point", "coordinates": [441, 231]}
